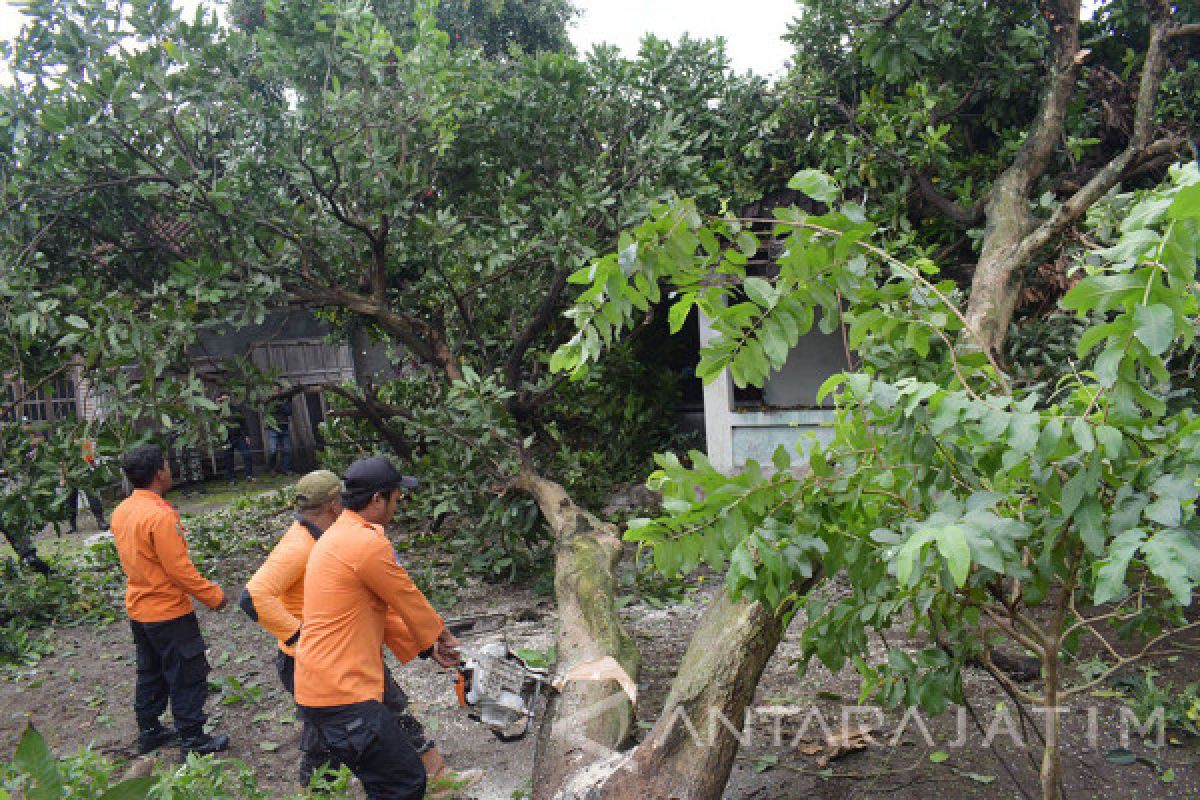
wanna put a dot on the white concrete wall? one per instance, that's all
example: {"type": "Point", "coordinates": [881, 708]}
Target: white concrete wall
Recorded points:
{"type": "Point", "coordinates": [736, 436]}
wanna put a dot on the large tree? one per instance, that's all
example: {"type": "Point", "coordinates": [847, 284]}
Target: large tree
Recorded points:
{"type": "Point", "coordinates": [380, 175]}
{"type": "Point", "coordinates": [993, 501]}
{"type": "Point", "coordinates": [322, 157]}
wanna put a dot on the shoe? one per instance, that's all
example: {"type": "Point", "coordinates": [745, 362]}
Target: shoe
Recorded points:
{"type": "Point", "coordinates": [151, 739]}
{"type": "Point", "coordinates": [202, 745]}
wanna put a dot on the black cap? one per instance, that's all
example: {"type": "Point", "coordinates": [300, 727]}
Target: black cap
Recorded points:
{"type": "Point", "coordinates": [375, 475]}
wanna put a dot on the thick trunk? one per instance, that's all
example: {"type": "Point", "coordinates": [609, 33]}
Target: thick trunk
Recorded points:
{"type": "Point", "coordinates": [690, 752]}
{"type": "Point", "coordinates": [1013, 237]}
{"type": "Point", "coordinates": [587, 720]}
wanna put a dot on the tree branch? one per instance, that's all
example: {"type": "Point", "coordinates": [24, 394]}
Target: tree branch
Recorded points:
{"type": "Point", "coordinates": [889, 19]}
{"type": "Point", "coordinates": [542, 318]}
{"type": "Point", "coordinates": [963, 216]}
{"type": "Point", "coordinates": [421, 338]}
{"type": "Point", "coordinates": [1138, 149]}
{"type": "Point", "coordinates": [373, 411]}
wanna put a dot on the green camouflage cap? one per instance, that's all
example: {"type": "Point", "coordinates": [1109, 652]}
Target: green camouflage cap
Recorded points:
{"type": "Point", "coordinates": [317, 488]}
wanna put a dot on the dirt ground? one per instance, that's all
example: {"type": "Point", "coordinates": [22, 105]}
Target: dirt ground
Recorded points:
{"type": "Point", "coordinates": [81, 693]}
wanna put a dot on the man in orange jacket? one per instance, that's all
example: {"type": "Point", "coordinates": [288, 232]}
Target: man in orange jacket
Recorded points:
{"type": "Point", "coordinates": [274, 598]}
{"type": "Point", "coordinates": [159, 579]}
{"type": "Point", "coordinates": [356, 597]}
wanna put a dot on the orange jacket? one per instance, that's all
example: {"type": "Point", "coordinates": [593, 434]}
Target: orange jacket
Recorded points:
{"type": "Point", "coordinates": [159, 575]}
{"type": "Point", "coordinates": [277, 588]}
{"type": "Point", "coordinates": [353, 580]}
{"type": "Point", "coordinates": [275, 594]}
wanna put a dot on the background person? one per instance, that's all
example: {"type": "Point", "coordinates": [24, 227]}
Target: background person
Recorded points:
{"type": "Point", "coordinates": [279, 431]}
{"type": "Point", "coordinates": [237, 437]}
{"type": "Point", "coordinates": [160, 577]}
{"type": "Point", "coordinates": [353, 580]}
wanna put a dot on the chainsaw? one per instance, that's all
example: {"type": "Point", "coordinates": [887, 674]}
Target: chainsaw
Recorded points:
{"type": "Point", "coordinates": [501, 690]}
{"type": "Point", "coordinates": [496, 686]}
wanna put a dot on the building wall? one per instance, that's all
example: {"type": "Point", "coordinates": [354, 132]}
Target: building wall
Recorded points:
{"type": "Point", "coordinates": [787, 416]}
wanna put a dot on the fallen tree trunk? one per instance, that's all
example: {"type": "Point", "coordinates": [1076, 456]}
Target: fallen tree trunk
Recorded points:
{"type": "Point", "coordinates": [588, 720]}
{"type": "Point", "coordinates": [690, 752]}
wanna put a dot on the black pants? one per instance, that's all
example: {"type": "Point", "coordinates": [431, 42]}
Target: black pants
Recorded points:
{"type": "Point", "coordinates": [368, 739]}
{"type": "Point", "coordinates": [171, 664]}
{"type": "Point", "coordinates": [394, 699]}
{"type": "Point", "coordinates": [238, 443]}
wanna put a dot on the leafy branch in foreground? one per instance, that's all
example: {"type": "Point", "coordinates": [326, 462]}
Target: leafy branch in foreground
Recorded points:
{"type": "Point", "coordinates": [990, 511]}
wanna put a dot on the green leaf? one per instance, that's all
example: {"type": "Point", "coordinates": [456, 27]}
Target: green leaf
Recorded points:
{"type": "Point", "coordinates": [1082, 432]}
{"type": "Point", "coordinates": [760, 292]}
{"type": "Point", "coordinates": [1187, 203]}
{"type": "Point", "coordinates": [77, 322]}
{"type": "Point", "coordinates": [679, 312]}
{"type": "Point", "coordinates": [1102, 292]}
{"type": "Point", "coordinates": [1089, 517]}
{"type": "Point", "coordinates": [980, 778]}
{"type": "Point", "coordinates": [952, 544]}
{"type": "Point", "coordinates": [1108, 365]}
{"type": "Point", "coordinates": [1154, 326]}
{"type": "Point", "coordinates": [1110, 439]}
{"type": "Point", "coordinates": [938, 756]}
{"type": "Point", "coordinates": [132, 789]}
{"type": "Point", "coordinates": [34, 758]}
{"type": "Point", "coordinates": [815, 184]}
{"type": "Point", "coordinates": [1110, 572]}
{"type": "Point", "coordinates": [1174, 558]}
{"type": "Point", "coordinates": [907, 556]}
{"type": "Point", "coordinates": [1120, 756]}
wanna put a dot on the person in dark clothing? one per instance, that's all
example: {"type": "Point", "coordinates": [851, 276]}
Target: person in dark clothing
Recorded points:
{"type": "Point", "coordinates": [238, 427]}
{"type": "Point", "coordinates": [279, 431]}
{"type": "Point", "coordinates": [160, 581]}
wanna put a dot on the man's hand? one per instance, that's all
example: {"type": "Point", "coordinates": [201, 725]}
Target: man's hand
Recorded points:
{"type": "Point", "coordinates": [445, 650]}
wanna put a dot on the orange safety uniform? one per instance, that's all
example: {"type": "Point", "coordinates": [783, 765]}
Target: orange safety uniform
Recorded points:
{"type": "Point", "coordinates": [276, 591]}
{"type": "Point", "coordinates": [277, 588]}
{"type": "Point", "coordinates": [353, 581]}
{"type": "Point", "coordinates": [159, 575]}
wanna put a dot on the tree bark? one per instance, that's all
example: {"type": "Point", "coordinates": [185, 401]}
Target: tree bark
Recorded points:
{"type": "Point", "coordinates": [1013, 236]}
{"type": "Point", "coordinates": [690, 751]}
{"type": "Point", "coordinates": [587, 720]}
{"type": "Point", "coordinates": [996, 285]}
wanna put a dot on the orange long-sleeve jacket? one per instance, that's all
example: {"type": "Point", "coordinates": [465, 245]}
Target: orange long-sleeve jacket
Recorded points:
{"type": "Point", "coordinates": [276, 590]}
{"type": "Point", "coordinates": [159, 574]}
{"type": "Point", "coordinates": [274, 596]}
{"type": "Point", "coordinates": [356, 598]}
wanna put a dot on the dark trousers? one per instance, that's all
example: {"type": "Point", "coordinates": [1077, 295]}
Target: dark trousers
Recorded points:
{"type": "Point", "coordinates": [315, 754]}
{"type": "Point", "coordinates": [238, 443]}
{"type": "Point", "coordinates": [368, 739]}
{"type": "Point", "coordinates": [171, 665]}
{"type": "Point", "coordinates": [279, 456]}
{"type": "Point", "coordinates": [94, 503]}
